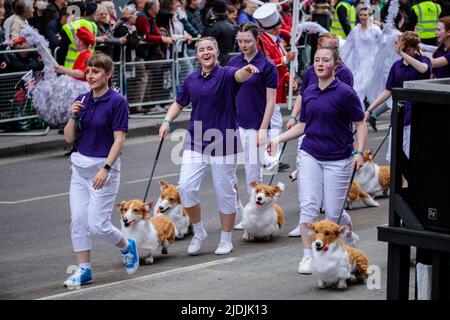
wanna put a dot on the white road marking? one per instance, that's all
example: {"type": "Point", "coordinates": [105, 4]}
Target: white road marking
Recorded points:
{"type": "Point", "coordinates": [147, 277]}
{"type": "Point", "coordinates": [66, 193]}
{"type": "Point", "coordinates": [383, 127]}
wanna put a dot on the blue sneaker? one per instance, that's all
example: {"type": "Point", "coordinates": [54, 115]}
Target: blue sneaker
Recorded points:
{"type": "Point", "coordinates": [131, 258]}
{"type": "Point", "coordinates": [81, 277]}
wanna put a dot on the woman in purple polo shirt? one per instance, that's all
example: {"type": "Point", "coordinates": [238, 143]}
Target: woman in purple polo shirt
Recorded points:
{"type": "Point", "coordinates": [411, 66]}
{"type": "Point", "coordinates": [98, 124]}
{"type": "Point", "coordinates": [343, 73]}
{"type": "Point", "coordinates": [441, 57]}
{"type": "Point", "coordinates": [325, 158]}
{"type": "Point", "coordinates": [255, 101]}
{"type": "Point", "coordinates": [211, 140]}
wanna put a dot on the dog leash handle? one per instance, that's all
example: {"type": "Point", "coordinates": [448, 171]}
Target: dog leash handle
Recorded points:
{"type": "Point", "coordinates": [279, 159]}
{"type": "Point", "coordinates": [346, 194]}
{"type": "Point", "coordinates": [154, 166]}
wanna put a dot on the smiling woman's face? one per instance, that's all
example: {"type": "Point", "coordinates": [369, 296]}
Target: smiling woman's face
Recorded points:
{"type": "Point", "coordinates": [441, 33]}
{"type": "Point", "coordinates": [363, 16]}
{"type": "Point", "coordinates": [207, 54]}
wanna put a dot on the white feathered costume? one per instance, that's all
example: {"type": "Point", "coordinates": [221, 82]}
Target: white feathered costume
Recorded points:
{"type": "Point", "coordinates": [52, 96]}
{"type": "Point", "coordinates": [359, 52]}
{"type": "Point", "coordinates": [385, 55]}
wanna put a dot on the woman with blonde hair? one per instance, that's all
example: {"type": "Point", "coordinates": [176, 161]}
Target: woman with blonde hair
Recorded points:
{"type": "Point", "coordinates": [211, 140]}
{"type": "Point", "coordinates": [326, 157]}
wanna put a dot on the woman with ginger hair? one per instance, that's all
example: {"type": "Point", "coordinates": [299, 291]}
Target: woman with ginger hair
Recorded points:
{"type": "Point", "coordinates": [412, 66]}
{"type": "Point", "coordinates": [441, 57]}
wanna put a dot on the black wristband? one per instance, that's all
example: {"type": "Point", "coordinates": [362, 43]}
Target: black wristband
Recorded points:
{"type": "Point", "coordinates": [107, 166]}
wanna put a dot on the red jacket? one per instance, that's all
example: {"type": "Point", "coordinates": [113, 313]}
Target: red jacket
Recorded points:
{"type": "Point", "coordinates": [147, 27]}
{"type": "Point", "coordinates": [272, 51]}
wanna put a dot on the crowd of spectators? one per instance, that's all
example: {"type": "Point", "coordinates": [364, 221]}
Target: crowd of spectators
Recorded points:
{"type": "Point", "coordinates": [151, 30]}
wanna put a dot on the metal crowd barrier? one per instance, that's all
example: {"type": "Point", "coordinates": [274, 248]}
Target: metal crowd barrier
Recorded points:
{"type": "Point", "coordinates": [144, 83]}
{"type": "Point", "coordinates": [14, 105]}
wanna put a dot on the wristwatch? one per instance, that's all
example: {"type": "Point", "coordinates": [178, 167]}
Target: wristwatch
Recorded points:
{"type": "Point", "coordinates": [107, 167]}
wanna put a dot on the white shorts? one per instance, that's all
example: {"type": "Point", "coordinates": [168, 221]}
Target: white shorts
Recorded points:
{"type": "Point", "coordinates": [276, 122]}
{"type": "Point", "coordinates": [323, 182]}
{"type": "Point", "coordinates": [223, 171]}
{"type": "Point", "coordinates": [253, 167]}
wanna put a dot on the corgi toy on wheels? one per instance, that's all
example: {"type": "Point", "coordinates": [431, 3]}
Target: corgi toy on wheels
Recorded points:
{"type": "Point", "coordinates": [153, 235]}
{"type": "Point", "coordinates": [262, 216]}
{"type": "Point", "coordinates": [169, 205]}
{"type": "Point", "coordinates": [373, 178]}
{"type": "Point", "coordinates": [358, 198]}
{"type": "Point", "coordinates": [333, 262]}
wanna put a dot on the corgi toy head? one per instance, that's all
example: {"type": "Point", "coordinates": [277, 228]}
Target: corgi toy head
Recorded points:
{"type": "Point", "coordinates": [368, 155]}
{"type": "Point", "coordinates": [170, 197]}
{"type": "Point", "coordinates": [325, 233]}
{"type": "Point", "coordinates": [264, 194]}
{"type": "Point", "coordinates": [133, 211]}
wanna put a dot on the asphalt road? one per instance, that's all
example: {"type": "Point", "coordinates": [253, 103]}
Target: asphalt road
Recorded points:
{"type": "Point", "coordinates": [36, 249]}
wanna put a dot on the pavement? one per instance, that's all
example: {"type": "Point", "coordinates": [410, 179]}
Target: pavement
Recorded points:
{"type": "Point", "coordinates": [22, 143]}
{"type": "Point", "coordinates": [36, 248]}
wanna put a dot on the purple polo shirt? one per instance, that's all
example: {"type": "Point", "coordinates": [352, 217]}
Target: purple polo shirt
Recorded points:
{"type": "Point", "coordinates": [442, 72]}
{"type": "Point", "coordinates": [99, 118]}
{"type": "Point", "coordinates": [400, 72]}
{"type": "Point", "coordinates": [328, 115]}
{"type": "Point", "coordinates": [213, 107]}
{"type": "Point", "coordinates": [251, 98]}
{"type": "Point", "coordinates": [343, 73]}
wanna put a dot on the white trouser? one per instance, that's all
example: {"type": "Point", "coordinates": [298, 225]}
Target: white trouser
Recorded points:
{"type": "Point", "coordinates": [299, 144]}
{"type": "Point", "coordinates": [91, 209]}
{"type": "Point", "coordinates": [223, 171]}
{"type": "Point", "coordinates": [276, 122]}
{"type": "Point", "coordinates": [406, 142]}
{"type": "Point", "coordinates": [323, 182]}
{"type": "Point", "coordinates": [253, 167]}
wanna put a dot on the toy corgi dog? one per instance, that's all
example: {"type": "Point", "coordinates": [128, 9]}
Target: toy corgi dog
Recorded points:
{"type": "Point", "coordinates": [372, 178]}
{"type": "Point", "coordinates": [358, 198]}
{"type": "Point", "coordinates": [169, 204]}
{"type": "Point", "coordinates": [333, 262]}
{"type": "Point", "coordinates": [153, 235]}
{"type": "Point", "coordinates": [262, 216]}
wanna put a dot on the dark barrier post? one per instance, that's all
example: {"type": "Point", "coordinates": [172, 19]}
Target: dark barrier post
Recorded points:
{"type": "Point", "coordinates": [419, 210]}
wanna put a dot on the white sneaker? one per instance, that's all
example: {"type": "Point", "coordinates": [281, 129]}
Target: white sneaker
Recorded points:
{"type": "Point", "coordinates": [224, 247]}
{"type": "Point", "coordinates": [196, 244]}
{"type": "Point", "coordinates": [239, 226]}
{"type": "Point", "coordinates": [295, 233]}
{"type": "Point", "coordinates": [305, 266]}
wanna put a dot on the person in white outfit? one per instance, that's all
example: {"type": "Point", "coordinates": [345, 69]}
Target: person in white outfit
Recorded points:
{"type": "Point", "coordinates": [359, 50]}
